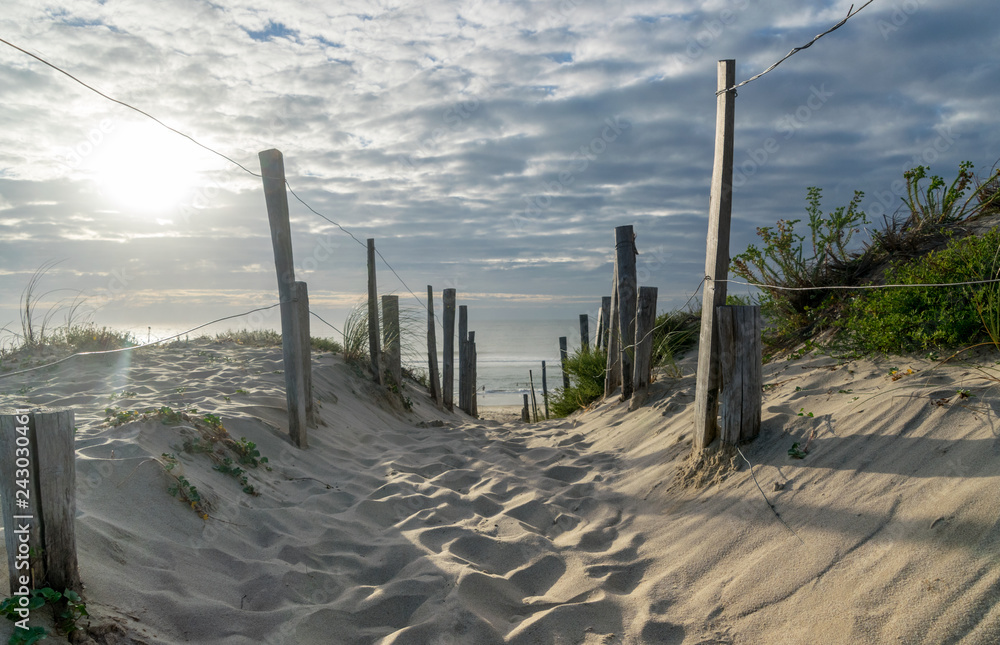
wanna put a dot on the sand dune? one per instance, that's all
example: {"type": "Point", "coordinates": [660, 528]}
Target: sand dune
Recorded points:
{"type": "Point", "coordinates": [419, 526]}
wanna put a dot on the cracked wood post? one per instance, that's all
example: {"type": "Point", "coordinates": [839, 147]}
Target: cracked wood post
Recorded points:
{"type": "Point", "coordinates": [432, 357]}
{"type": "Point", "coordinates": [448, 359]}
{"type": "Point", "coordinates": [602, 323]}
{"type": "Point", "coordinates": [645, 322]}
{"type": "Point", "coordinates": [563, 356]}
{"type": "Point", "coordinates": [626, 288]}
{"type": "Point", "coordinates": [374, 351]}
{"type": "Point", "coordinates": [272, 170]}
{"type": "Point", "coordinates": [392, 358]}
{"type": "Point", "coordinates": [612, 371]}
{"type": "Point", "coordinates": [584, 332]}
{"type": "Point", "coordinates": [473, 402]}
{"type": "Point", "coordinates": [716, 261]}
{"type": "Point", "coordinates": [302, 302]}
{"type": "Point", "coordinates": [463, 358]}
{"type": "Point", "coordinates": [740, 373]}
{"type": "Point", "coordinates": [37, 448]}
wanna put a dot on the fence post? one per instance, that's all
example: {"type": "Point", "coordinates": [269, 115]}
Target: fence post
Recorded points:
{"type": "Point", "coordinates": [463, 366]}
{"type": "Point", "coordinates": [524, 411]}
{"type": "Point", "coordinates": [645, 322]}
{"type": "Point", "coordinates": [391, 340]}
{"type": "Point", "coordinates": [545, 390]}
{"type": "Point", "coordinates": [584, 332]}
{"type": "Point", "coordinates": [50, 485]}
{"type": "Point", "coordinates": [432, 356]}
{"type": "Point", "coordinates": [625, 259]}
{"type": "Point", "coordinates": [448, 366]}
{"type": "Point", "coordinates": [302, 302]}
{"type": "Point", "coordinates": [716, 261]}
{"type": "Point", "coordinates": [272, 170]}
{"type": "Point", "coordinates": [473, 402]}
{"type": "Point", "coordinates": [373, 331]}
{"type": "Point", "coordinates": [563, 356]}
{"type": "Point", "coordinates": [740, 372]}
{"type": "Point", "coordinates": [603, 329]}
{"type": "Point", "coordinates": [613, 372]}
{"type": "Point", "coordinates": [534, 402]}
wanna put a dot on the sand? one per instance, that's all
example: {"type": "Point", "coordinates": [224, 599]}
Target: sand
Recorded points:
{"type": "Point", "coordinates": [420, 526]}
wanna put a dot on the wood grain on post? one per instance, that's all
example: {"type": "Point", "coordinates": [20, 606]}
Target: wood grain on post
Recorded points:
{"type": "Point", "coordinates": [545, 390]}
{"type": "Point", "coordinates": [740, 373]}
{"type": "Point", "coordinates": [391, 340]}
{"type": "Point", "coordinates": [272, 170]}
{"type": "Point", "coordinates": [373, 327]}
{"type": "Point", "coordinates": [716, 261]}
{"type": "Point", "coordinates": [525, 414]}
{"type": "Point", "coordinates": [432, 357]}
{"type": "Point", "coordinates": [613, 371]}
{"type": "Point", "coordinates": [534, 401]}
{"type": "Point", "coordinates": [603, 326]}
{"type": "Point", "coordinates": [305, 334]}
{"type": "Point", "coordinates": [645, 322]}
{"type": "Point", "coordinates": [463, 363]}
{"type": "Point", "coordinates": [563, 357]}
{"type": "Point", "coordinates": [56, 457]}
{"type": "Point", "coordinates": [625, 260]}
{"type": "Point", "coordinates": [20, 522]}
{"type": "Point", "coordinates": [473, 402]}
{"type": "Point", "coordinates": [448, 359]}
{"type": "Point", "coordinates": [584, 332]}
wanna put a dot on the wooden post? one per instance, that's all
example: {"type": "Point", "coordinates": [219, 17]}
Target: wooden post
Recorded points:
{"type": "Point", "coordinates": [740, 372]}
{"type": "Point", "coordinates": [391, 340]}
{"type": "Point", "coordinates": [534, 402]}
{"type": "Point", "coordinates": [545, 390]}
{"type": "Point", "coordinates": [525, 411]}
{"type": "Point", "coordinates": [463, 365]}
{"type": "Point", "coordinates": [473, 387]}
{"type": "Point", "coordinates": [716, 261]}
{"type": "Point", "coordinates": [584, 332]}
{"type": "Point", "coordinates": [625, 261]}
{"type": "Point", "coordinates": [272, 170]}
{"type": "Point", "coordinates": [373, 327]}
{"type": "Point", "coordinates": [603, 327]}
{"type": "Point", "coordinates": [563, 356]}
{"type": "Point", "coordinates": [645, 321]}
{"type": "Point", "coordinates": [37, 448]}
{"type": "Point", "coordinates": [448, 360]}
{"type": "Point", "coordinates": [432, 357]}
{"type": "Point", "coordinates": [613, 371]}
{"type": "Point", "coordinates": [302, 302]}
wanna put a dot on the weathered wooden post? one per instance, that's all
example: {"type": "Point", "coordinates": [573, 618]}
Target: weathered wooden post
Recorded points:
{"type": "Point", "coordinates": [584, 332]}
{"type": "Point", "coordinates": [740, 372]}
{"type": "Point", "coordinates": [391, 340]}
{"type": "Point", "coordinates": [613, 371]}
{"type": "Point", "coordinates": [603, 328]}
{"type": "Point", "coordinates": [448, 359]}
{"type": "Point", "coordinates": [432, 357]}
{"type": "Point", "coordinates": [38, 495]}
{"type": "Point", "coordinates": [373, 327]}
{"type": "Point", "coordinates": [272, 170]}
{"type": "Point", "coordinates": [534, 401]}
{"type": "Point", "coordinates": [463, 364]}
{"type": "Point", "coordinates": [473, 402]}
{"type": "Point", "coordinates": [626, 287]}
{"type": "Point", "coordinates": [525, 414]}
{"type": "Point", "coordinates": [716, 260]}
{"type": "Point", "coordinates": [645, 322]}
{"type": "Point", "coordinates": [563, 357]}
{"type": "Point", "coordinates": [302, 302]}
{"type": "Point", "coordinates": [545, 390]}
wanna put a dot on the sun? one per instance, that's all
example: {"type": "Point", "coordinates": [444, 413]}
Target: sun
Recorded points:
{"type": "Point", "coordinates": [145, 168]}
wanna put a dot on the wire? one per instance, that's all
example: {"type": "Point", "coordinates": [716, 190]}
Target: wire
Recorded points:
{"type": "Point", "coordinates": [769, 504]}
{"type": "Point", "coordinates": [859, 287]}
{"type": "Point", "coordinates": [326, 323]}
{"type": "Point", "coordinates": [850, 14]}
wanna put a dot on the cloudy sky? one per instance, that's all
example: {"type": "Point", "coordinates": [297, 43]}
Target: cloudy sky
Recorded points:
{"type": "Point", "coordinates": [487, 146]}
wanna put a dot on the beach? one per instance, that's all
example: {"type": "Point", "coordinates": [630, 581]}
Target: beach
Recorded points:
{"type": "Point", "coordinates": [405, 523]}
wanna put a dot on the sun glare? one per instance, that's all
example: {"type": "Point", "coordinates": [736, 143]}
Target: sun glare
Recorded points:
{"type": "Point", "coordinates": [143, 168]}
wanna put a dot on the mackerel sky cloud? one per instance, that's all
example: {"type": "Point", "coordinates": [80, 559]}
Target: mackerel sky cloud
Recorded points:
{"type": "Point", "coordinates": [487, 146]}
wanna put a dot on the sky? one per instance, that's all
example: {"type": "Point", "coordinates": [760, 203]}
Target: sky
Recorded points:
{"type": "Point", "coordinates": [490, 147]}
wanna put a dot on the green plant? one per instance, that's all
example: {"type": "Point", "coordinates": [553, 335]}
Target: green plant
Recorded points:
{"type": "Point", "coordinates": [227, 467]}
{"type": "Point", "coordinates": [248, 453]}
{"type": "Point", "coordinates": [213, 421]}
{"type": "Point", "coordinates": [250, 337]}
{"type": "Point", "coordinates": [795, 452]}
{"type": "Point", "coordinates": [674, 333]}
{"type": "Point", "coordinates": [115, 416]}
{"type": "Point", "coordinates": [326, 345]}
{"type": "Point", "coordinates": [586, 369]}
{"type": "Point", "coordinates": [355, 334]}
{"type": "Point", "coordinates": [803, 413]}
{"type": "Point", "coordinates": [940, 204]}
{"type": "Point", "coordinates": [67, 609]}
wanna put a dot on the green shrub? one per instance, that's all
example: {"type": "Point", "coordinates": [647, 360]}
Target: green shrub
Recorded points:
{"type": "Point", "coordinates": [895, 320]}
{"type": "Point", "coordinates": [675, 332]}
{"type": "Point", "coordinates": [586, 368]}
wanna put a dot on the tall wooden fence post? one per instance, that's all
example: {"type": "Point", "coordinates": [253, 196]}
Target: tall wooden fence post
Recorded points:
{"type": "Point", "coordinates": [272, 170]}
{"type": "Point", "coordinates": [625, 261]}
{"type": "Point", "coordinates": [603, 327]}
{"type": "Point", "coordinates": [545, 390]}
{"type": "Point", "coordinates": [463, 366]}
{"type": "Point", "coordinates": [38, 495]}
{"type": "Point", "coordinates": [563, 357]}
{"type": "Point", "coordinates": [645, 322]}
{"type": "Point", "coordinates": [525, 411]}
{"type": "Point", "coordinates": [741, 376]}
{"type": "Point", "coordinates": [716, 260]}
{"type": "Point", "coordinates": [473, 402]}
{"type": "Point", "coordinates": [613, 371]}
{"type": "Point", "coordinates": [584, 332]}
{"type": "Point", "coordinates": [373, 327]}
{"type": "Point", "coordinates": [302, 302]}
{"type": "Point", "coordinates": [432, 356]}
{"type": "Point", "coordinates": [391, 340]}
{"type": "Point", "coordinates": [448, 360]}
